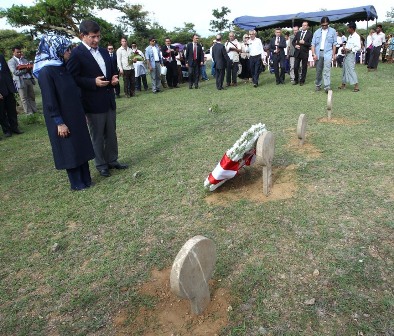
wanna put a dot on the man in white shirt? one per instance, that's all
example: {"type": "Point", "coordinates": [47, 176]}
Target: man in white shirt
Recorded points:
{"type": "Point", "coordinates": [233, 49]}
{"type": "Point", "coordinates": [256, 52]}
{"type": "Point", "coordinates": [126, 68]}
{"type": "Point", "coordinates": [378, 39]}
{"type": "Point", "coordinates": [349, 63]}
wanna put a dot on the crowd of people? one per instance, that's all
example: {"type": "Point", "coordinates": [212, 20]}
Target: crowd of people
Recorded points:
{"type": "Point", "coordinates": [82, 129]}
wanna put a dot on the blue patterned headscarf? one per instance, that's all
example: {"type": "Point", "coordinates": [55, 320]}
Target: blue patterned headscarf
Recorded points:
{"type": "Point", "coordinates": [50, 52]}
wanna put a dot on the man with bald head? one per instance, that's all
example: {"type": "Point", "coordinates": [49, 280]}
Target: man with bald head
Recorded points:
{"type": "Point", "coordinates": [221, 59]}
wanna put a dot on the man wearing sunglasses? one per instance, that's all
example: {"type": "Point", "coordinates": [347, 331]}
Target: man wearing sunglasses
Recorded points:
{"type": "Point", "coordinates": [323, 52]}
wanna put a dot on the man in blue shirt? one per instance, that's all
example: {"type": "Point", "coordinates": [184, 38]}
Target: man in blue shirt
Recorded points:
{"type": "Point", "coordinates": [323, 52]}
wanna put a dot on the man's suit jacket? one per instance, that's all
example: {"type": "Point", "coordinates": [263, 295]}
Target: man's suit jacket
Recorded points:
{"type": "Point", "coordinates": [189, 55]}
{"type": "Point", "coordinates": [17, 75]}
{"type": "Point", "coordinates": [166, 54]}
{"type": "Point", "coordinates": [220, 56]}
{"type": "Point", "coordinates": [303, 52]}
{"type": "Point", "coordinates": [6, 83]}
{"type": "Point", "coordinates": [114, 61]}
{"type": "Point", "coordinates": [281, 46]}
{"type": "Point", "coordinates": [84, 68]}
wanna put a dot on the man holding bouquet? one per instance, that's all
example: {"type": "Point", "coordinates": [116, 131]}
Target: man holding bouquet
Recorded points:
{"type": "Point", "coordinates": [126, 68]}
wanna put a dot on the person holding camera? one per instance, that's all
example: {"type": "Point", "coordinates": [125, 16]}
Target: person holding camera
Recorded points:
{"type": "Point", "coordinates": [24, 81]}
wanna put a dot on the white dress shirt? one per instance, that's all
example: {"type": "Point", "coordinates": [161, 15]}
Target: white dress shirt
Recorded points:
{"type": "Point", "coordinates": [98, 57]}
{"type": "Point", "coordinates": [122, 56]}
{"type": "Point", "coordinates": [353, 42]}
{"type": "Point", "coordinates": [255, 47]}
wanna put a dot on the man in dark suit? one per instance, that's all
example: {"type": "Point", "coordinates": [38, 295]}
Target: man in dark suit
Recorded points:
{"type": "Point", "coordinates": [8, 115]}
{"type": "Point", "coordinates": [194, 60]}
{"type": "Point", "coordinates": [169, 53]}
{"type": "Point", "coordinates": [277, 49]}
{"type": "Point", "coordinates": [93, 71]}
{"type": "Point", "coordinates": [114, 61]}
{"type": "Point", "coordinates": [302, 42]}
{"type": "Point", "coordinates": [221, 59]}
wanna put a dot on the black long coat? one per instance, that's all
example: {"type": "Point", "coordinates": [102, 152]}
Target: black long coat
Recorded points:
{"type": "Point", "coordinates": [61, 98]}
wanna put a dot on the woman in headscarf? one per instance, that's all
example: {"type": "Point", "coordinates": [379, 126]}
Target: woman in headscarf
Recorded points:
{"type": "Point", "coordinates": [64, 115]}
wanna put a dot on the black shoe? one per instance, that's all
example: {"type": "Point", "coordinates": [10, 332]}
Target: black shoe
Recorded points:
{"type": "Point", "coordinates": [295, 83]}
{"type": "Point", "coordinates": [255, 85]}
{"type": "Point", "coordinates": [7, 134]}
{"type": "Point", "coordinates": [301, 84]}
{"type": "Point", "coordinates": [190, 87]}
{"type": "Point", "coordinates": [196, 87]}
{"type": "Point", "coordinates": [104, 172]}
{"type": "Point", "coordinates": [17, 131]}
{"type": "Point", "coordinates": [118, 165]}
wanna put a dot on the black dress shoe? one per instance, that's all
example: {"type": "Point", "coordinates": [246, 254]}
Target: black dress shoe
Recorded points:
{"type": "Point", "coordinates": [295, 83]}
{"type": "Point", "coordinates": [7, 134]}
{"type": "Point", "coordinates": [17, 131]}
{"type": "Point", "coordinates": [301, 84]}
{"type": "Point", "coordinates": [118, 165]}
{"type": "Point", "coordinates": [104, 172]}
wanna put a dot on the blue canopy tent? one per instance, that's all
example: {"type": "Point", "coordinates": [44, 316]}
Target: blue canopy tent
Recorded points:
{"type": "Point", "coordinates": [363, 13]}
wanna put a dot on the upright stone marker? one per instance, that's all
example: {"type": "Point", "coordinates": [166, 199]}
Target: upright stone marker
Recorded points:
{"type": "Point", "coordinates": [191, 271]}
{"type": "Point", "coordinates": [265, 149]}
{"type": "Point", "coordinates": [301, 128]}
{"type": "Point", "coordinates": [329, 104]}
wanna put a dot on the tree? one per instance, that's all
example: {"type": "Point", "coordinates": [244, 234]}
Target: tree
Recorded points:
{"type": "Point", "coordinates": [11, 38]}
{"type": "Point", "coordinates": [390, 15]}
{"type": "Point", "coordinates": [61, 16]}
{"type": "Point", "coordinates": [220, 24]}
{"type": "Point", "coordinates": [183, 34]}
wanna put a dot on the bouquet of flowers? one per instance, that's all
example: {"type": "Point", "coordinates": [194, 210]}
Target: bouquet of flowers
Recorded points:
{"type": "Point", "coordinates": [242, 153]}
{"type": "Point", "coordinates": [134, 57]}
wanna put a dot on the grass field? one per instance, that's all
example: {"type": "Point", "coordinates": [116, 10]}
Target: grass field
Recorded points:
{"type": "Point", "coordinates": [317, 263]}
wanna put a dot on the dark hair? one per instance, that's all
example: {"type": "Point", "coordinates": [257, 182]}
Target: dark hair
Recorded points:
{"type": "Point", "coordinates": [167, 38]}
{"type": "Point", "coordinates": [89, 26]}
{"type": "Point", "coordinates": [352, 25]}
{"type": "Point", "coordinates": [16, 48]}
{"type": "Point", "coordinates": [195, 35]}
{"type": "Point", "coordinates": [151, 39]}
{"type": "Point", "coordinates": [380, 26]}
{"type": "Point", "coordinates": [287, 34]}
{"type": "Point", "coordinates": [325, 19]}
{"type": "Point", "coordinates": [134, 43]}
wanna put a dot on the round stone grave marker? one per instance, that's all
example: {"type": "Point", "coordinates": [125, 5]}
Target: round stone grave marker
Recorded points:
{"type": "Point", "coordinates": [265, 148]}
{"type": "Point", "coordinates": [301, 128]}
{"type": "Point", "coordinates": [191, 271]}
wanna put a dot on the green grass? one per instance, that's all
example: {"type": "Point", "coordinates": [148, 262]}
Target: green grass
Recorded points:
{"type": "Point", "coordinates": [111, 236]}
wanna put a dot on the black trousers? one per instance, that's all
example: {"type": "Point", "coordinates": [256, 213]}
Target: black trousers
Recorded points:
{"type": "Point", "coordinates": [172, 73]}
{"type": "Point", "coordinates": [194, 75]}
{"type": "Point", "coordinates": [304, 68]}
{"type": "Point", "coordinates": [279, 60]}
{"type": "Point", "coordinates": [219, 75]}
{"type": "Point", "coordinates": [8, 115]}
{"type": "Point", "coordinates": [79, 177]}
{"type": "Point", "coordinates": [255, 63]}
{"type": "Point", "coordinates": [129, 82]}
{"type": "Point", "coordinates": [231, 72]}
{"type": "Point", "coordinates": [138, 82]}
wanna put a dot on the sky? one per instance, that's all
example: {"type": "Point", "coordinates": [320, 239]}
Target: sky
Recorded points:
{"type": "Point", "coordinates": [174, 13]}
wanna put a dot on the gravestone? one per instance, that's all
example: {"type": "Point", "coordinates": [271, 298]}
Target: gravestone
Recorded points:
{"type": "Point", "coordinates": [329, 104]}
{"type": "Point", "coordinates": [301, 128]}
{"type": "Point", "coordinates": [265, 149]}
{"type": "Point", "coordinates": [191, 271]}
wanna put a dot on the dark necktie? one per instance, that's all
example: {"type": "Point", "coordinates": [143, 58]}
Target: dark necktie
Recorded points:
{"type": "Point", "coordinates": [194, 51]}
{"type": "Point", "coordinates": [302, 35]}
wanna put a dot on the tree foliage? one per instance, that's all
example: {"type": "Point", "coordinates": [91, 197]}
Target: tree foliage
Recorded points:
{"type": "Point", "coordinates": [221, 23]}
{"type": "Point", "coordinates": [61, 16]}
{"type": "Point", "coordinates": [11, 38]}
{"type": "Point", "coordinates": [390, 15]}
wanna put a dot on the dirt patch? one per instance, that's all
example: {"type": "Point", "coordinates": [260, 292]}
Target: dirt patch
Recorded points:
{"type": "Point", "coordinates": [307, 149]}
{"type": "Point", "coordinates": [171, 315]}
{"type": "Point", "coordinates": [341, 121]}
{"type": "Point", "coordinates": [248, 185]}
